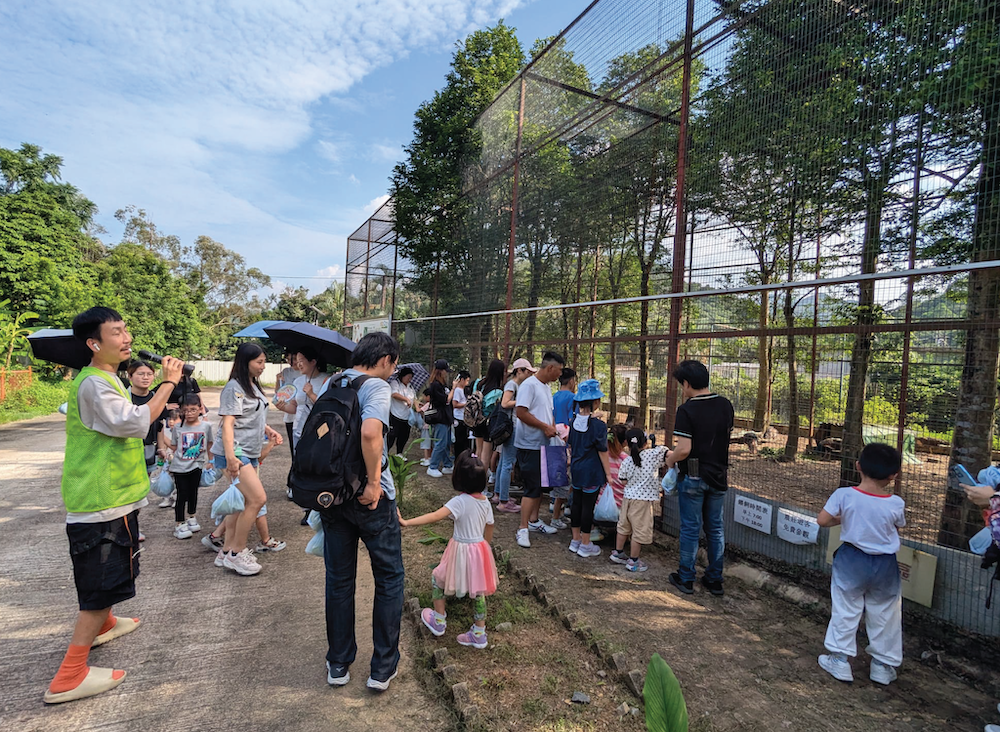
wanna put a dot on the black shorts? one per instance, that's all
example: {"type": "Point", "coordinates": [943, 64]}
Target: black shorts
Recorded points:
{"type": "Point", "coordinates": [482, 431]}
{"type": "Point", "coordinates": [105, 560]}
{"type": "Point", "coordinates": [529, 463]}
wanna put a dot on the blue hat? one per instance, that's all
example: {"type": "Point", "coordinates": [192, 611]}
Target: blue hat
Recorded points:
{"type": "Point", "coordinates": [588, 391]}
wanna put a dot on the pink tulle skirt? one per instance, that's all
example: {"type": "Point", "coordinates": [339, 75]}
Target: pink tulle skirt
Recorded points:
{"type": "Point", "coordinates": [467, 569]}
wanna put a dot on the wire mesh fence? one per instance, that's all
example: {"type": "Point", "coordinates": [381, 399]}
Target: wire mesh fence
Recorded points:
{"type": "Point", "coordinates": [802, 194]}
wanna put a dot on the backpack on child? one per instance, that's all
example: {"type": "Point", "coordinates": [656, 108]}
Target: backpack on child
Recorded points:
{"type": "Point", "coordinates": [328, 468]}
{"type": "Point", "coordinates": [480, 406]}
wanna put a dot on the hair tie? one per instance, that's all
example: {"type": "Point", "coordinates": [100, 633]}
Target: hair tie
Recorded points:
{"type": "Point", "coordinates": [634, 440]}
{"type": "Point", "coordinates": [473, 454]}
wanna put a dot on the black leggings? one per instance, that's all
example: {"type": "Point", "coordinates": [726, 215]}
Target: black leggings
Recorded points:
{"type": "Point", "coordinates": [187, 493]}
{"type": "Point", "coordinates": [581, 511]}
{"type": "Point", "coordinates": [399, 433]}
{"type": "Point", "coordinates": [461, 438]}
{"type": "Point", "coordinates": [291, 442]}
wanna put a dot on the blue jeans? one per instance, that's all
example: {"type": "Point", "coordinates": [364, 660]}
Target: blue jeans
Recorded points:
{"type": "Point", "coordinates": [379, 530]}
{"type": "Point", "coordinates": [441, 455]}
{"type": "Point", "coordinates": [700, 504]}
{"type": "Point", "coordinates": [508, 455]}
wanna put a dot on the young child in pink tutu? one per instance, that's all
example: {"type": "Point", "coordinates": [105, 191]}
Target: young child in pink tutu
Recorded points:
{"type": "Point", "coordinates": [467, 567]}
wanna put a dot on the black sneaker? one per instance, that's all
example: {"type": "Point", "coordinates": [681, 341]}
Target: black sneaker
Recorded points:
{"type": "Point", "coordinates": [713, 586]}
{"type": "Point", "coordinates": [686, 587]}
{"type": "Point", "coordinates": [305, 519]}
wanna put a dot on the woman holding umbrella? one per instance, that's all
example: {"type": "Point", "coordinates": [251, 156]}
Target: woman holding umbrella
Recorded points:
{"type": "Point", "coordinates": [399, 409]}
{"type": "Point", "coordinates": [243, 409]}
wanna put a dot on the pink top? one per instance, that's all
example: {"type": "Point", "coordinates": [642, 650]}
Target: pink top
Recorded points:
{"type": "Point", "coordinates": [617, 487]}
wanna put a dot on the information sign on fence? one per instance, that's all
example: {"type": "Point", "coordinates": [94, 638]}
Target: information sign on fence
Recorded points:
{"type": "Point", "coordinates": [753, 513]}
{"type": "Point", "coordinates": [797, 528]}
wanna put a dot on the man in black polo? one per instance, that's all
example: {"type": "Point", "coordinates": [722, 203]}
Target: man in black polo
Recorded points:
{"type": "Point", "coordinates": [701, 454]}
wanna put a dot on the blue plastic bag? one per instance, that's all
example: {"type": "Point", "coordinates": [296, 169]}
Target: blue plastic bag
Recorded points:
{"type": "Point", "coordinates": [415, 420]}
{"type": "Point", "coordinates": [208, 476]}
{"type": "Point", "coordinates": [230, 501]}
{"type": "Point", "coordinates": [161, 482]}
{"type": "Point", "coordinates": [606, 509]}
{"type": "Point", "coordinates": [314, 521]}
{"type": "Point", "coordinates": [669, 482]}
{"type": "Point", "coordinates": [315, 545]}
{"type": "Point", "coordinates": [989, 476]}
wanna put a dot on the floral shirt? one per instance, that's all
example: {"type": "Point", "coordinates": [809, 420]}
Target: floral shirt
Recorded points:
{"type": "Point", "coordinates": [642, 483]}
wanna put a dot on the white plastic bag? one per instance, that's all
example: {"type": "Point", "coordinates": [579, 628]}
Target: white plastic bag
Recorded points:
{"type": "Point", "coordinates": [161, 482]}
{"type": "Point", "coordinates": [315, 521]}
{"type": "Point", "coordinates": [208, 476]}
{"type": "Point", "coordinates": [230, 501]}
{"type": "Point", "coordinates": [315, 545]}
{"type": "Point", "coordinates": [669, 482]}
{"type": "Point", "coordinates": [606, 508]}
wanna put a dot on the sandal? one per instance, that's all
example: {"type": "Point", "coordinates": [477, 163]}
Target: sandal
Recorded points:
{"type": "Point", "coordinates": [122, 626]}
{"type": "Point", "coordinates": [96, 681]}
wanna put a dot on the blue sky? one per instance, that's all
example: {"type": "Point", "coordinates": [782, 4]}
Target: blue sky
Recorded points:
{"type": "Point", "coordinates": [271, 126]}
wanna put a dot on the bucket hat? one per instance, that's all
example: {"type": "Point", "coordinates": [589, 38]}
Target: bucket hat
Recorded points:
{"type": "Point", "coordinates": [588, 390]}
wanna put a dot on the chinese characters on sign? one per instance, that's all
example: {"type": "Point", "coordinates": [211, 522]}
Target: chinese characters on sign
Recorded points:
{"type": "Point", "coordinates": [797, 528]}
{"type": "Point", "coordinates": [755, 514]}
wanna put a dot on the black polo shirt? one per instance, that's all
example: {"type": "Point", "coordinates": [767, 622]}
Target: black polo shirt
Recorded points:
{"type": "Point", "coordinates": [707, 421]}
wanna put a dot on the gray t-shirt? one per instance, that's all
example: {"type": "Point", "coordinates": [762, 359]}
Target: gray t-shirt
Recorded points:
{"type": "Point", "coordinates": [288, 376]}
{"type": "Point", "coordinates": [374, 396]}
{"type": "Point", "coordinates": [191, 444]}
{"type": "Point", "coordinates": [303, 403]}
{"type": "Point", "coordinates": [510, 386]}
{"type": "Point", "coordinates": [537, 397]}
{"type": "Point", "coordinates": [251, 416]}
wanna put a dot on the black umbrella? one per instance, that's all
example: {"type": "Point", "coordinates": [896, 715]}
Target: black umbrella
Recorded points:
{"type": "Point", "coordinates": [61, 347]}
{"type": "Point", "coordinates": [329, 345]}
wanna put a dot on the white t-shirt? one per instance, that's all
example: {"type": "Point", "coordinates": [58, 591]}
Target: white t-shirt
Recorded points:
{"type": "Point", "coordinates": [643, 483]}
{"type": "Point", "coordinates": [458, 397]}
{"type": "Point", "coordinates": [470, 516]}
{"type": "Point", "coordinates": [868, 521]}
{"type": "Point", "coordinates": [537, 397]}
{"type": "Point", "coordinates": [398, 409]}
{"type": "Point", "coordinates": [303, 403]}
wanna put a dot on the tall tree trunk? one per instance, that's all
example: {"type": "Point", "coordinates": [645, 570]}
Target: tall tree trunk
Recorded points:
{"type": "Point", "coordinates": [762, 409]}
{"type": "Point", "coordinates": [977, 396]}
{"type": "Point", "coordinates": [861, 352]}
{"type": "Point", "coordinates": [644, 350]}
{"type": "Point", "coordinates": [612, 358]}
{"type": "Point", "coordinates": [534, 292]}
{"type": "Point", "coordinates": [792, 443]}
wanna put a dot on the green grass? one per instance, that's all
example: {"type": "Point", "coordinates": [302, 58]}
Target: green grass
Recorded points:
{"type": "Point", "coordinates": [513, 609]}
{"type": "Point", "coordinates": [41, 398]}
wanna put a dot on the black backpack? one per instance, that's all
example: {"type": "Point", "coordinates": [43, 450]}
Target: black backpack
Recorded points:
{"type": "Point", "coordinates": [501, 427]}
{"type": "Point", "coordinates": [329, 468]}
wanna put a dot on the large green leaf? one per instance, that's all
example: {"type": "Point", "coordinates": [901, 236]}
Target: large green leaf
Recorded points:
{"type": "Point", "coordinates": [665, 707]}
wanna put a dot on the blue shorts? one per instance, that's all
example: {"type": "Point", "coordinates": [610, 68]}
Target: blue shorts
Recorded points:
{"type": "Point", "coordinates": [220, 461]}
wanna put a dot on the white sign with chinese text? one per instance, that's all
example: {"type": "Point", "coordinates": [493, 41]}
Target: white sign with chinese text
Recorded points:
{"type": "Point", "coordinates": [753, 513]}
{"type": "Point", "coordinates": [797, 528]}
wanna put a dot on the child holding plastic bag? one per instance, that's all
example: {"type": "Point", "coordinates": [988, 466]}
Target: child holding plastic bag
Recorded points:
{"type": "Point", "coordinates": [588, 444]}
{"type": "Point", "coordinates": [467, 567]}
{"type": "Point", "coordinates": [190, 442]}
{"type": "Point", "coordinates": [640, 473]}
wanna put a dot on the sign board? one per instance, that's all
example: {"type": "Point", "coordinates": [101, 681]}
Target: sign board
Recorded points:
{"type": "Point", "coordinates": [364, 327]}
{"type": "Point", "coordinates": [796, 528]}
{"type": "Point", "coordinates": [753, 513]}
{"type": "Point", "coordinates": [917, 570]}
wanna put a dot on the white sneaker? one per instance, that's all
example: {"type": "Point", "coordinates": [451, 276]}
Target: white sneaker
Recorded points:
{"type": "Point", "coordinates": [434, 473]}
{"type": "Point", "coordinates": [337, 680]}
{"type": "Point", "coordinates": [181, 531]}
{"type": "Point", "coordinates": [541, 527]}
{"type": "Point", "coordinates": [492, 479]}
{"type": "Point", "coordinates": [220, 559]}
{"type": "Point", "coordinates": [425, 462]}
{"type": "Point", "coordinates": [574, 545]}
{"type": "Point", "coordinates": [193, 524]}
{"type": "Point", "coordinates": [289, 493]}
{"type": "Point", "coordinates": [243, 563]}
{"type": "Point", "coordinates": [837, 666]}
{"type": "Point", "coordinates": [881, 673]}
{"type": "Point", "coordinates": [165, 503]}
{"type": "Point", "coordinates": [558, 524]}
{"type": "Point", "coordinates": [589, 550]}
{"type": "Point", "coordinates": [380, 685]}
{"type": "Point", "coordinates": [522, 538]}
{"type": "Point", "coordinates": [447, 471]}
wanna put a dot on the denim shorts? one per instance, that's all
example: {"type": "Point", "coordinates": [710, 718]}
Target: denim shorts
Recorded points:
{"type": "Point", "coordinates": [105, 560]}
{"type": "Point", "coordinates": [220, 461]}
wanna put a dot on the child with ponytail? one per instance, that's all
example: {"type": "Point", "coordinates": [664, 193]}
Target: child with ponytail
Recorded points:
{"type": "Point", "coordinates": [640, 474]}
{"type": "Point", "coordinates": [467, 567]}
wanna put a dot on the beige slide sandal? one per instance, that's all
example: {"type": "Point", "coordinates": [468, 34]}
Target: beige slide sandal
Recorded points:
{"type": "Point", "coordinates": [122, 627]}
{"type": "Point", "coordinates": [96, 681]}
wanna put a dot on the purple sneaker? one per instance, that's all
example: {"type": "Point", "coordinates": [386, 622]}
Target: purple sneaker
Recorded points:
{"type": "Point", "coordinates": [471, 638]}
{"type": "Point", "coordinates": [427, 615]}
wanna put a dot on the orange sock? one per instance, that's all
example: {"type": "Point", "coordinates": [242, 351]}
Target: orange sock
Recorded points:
{"type": "Point", "coordinates": [109, 623]}
{"type": "Point", "coordinates": [73, 670]}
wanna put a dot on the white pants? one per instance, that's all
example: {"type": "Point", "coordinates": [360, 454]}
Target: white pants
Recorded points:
{"type": "Point", "coordinates": [869, 585]}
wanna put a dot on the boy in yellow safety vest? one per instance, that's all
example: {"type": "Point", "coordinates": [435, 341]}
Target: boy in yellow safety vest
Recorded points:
{"type": "Point", "coordinates": [104, 484]}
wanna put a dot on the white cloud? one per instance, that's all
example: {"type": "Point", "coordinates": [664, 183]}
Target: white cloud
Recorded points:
{"type": "Point", "coordinates": [373, 205]}
{"type": "Point", "coordinates": [385, 152]}
{"type": "Point", "coordinates": [354, 180]}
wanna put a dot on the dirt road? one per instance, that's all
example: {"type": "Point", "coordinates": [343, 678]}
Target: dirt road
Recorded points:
{"type": "Point", "coordinates": [216, 651]}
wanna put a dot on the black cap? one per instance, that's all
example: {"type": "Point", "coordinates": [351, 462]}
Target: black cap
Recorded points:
{"type": "Point", "coordinates": [442, 364]}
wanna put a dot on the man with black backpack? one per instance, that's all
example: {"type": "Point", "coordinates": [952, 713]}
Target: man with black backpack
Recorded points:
{"type": "Point", "coordinates": [371, 517]}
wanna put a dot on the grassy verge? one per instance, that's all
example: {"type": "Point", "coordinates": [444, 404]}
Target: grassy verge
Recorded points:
{"type": "Point", "coordinates": [39, 399]}
{"type": "Point", "coordinates": [524, 679]}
